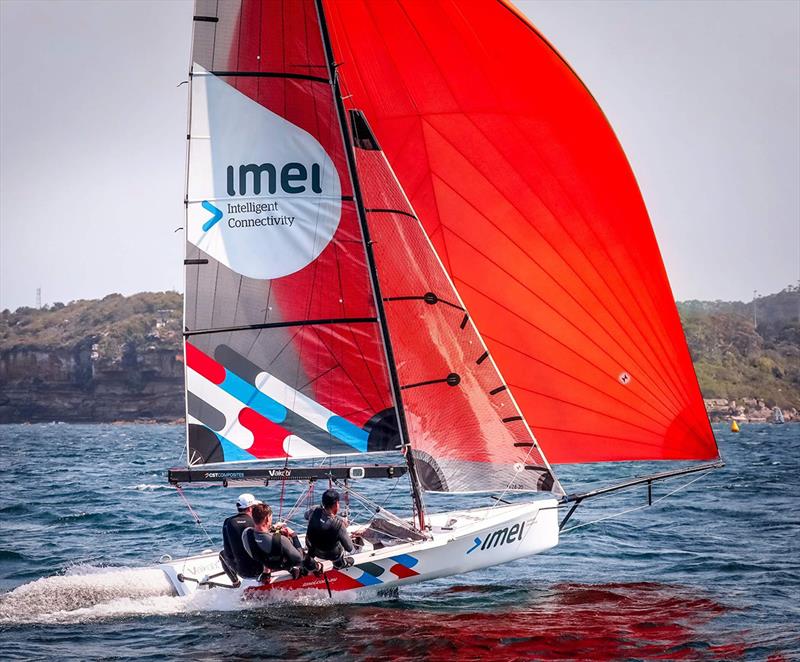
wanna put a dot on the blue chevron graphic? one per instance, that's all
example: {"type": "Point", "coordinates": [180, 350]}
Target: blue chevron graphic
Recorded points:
{"type": "Point", "coordinates": [215, 218]}
{"type": "Point", "coordinates": [478, 541]}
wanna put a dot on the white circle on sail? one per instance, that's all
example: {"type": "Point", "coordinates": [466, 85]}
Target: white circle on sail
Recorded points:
{"type": "Point", "coordinates": [264, 196]}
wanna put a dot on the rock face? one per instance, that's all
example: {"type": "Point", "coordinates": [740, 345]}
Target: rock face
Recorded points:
{"type": "Point", "coordinates": [74, 385]}
{"type": "Point", "coordinates": [114, 359]}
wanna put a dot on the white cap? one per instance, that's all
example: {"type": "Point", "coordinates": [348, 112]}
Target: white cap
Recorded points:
{"type": "Point", "coordinates": [246, 500]}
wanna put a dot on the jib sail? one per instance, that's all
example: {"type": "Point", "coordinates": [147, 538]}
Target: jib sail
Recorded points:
{"type": "Point", "coordinates": [465, 430]}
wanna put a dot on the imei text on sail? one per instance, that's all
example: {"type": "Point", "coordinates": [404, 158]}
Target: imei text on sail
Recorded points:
{"type": "Point", "coordinates": [256, 208]}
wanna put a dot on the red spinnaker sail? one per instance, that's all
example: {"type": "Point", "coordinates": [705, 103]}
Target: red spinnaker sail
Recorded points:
{"type": "Point", "coordinates": [532, 206]}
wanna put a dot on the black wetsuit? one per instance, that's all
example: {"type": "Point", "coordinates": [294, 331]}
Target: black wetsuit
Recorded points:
{"type": "Point", "coordinates": [271, 550]}
{"type": "Point", "coordinates": [327, 537]}
{"type": "Point", "coordinates": [234, 553]}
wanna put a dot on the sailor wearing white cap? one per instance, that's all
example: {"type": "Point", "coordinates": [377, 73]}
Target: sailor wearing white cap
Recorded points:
{"type": "Point", "coordinates": [245, 502]}
{"type": "Point", "coordinates": [234, 554]}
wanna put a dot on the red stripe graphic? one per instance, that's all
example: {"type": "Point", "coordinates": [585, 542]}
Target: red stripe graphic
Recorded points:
{"type": "Point", "coordinates": [268, 436]}
{"type": "Point", "coordinates": [204, 365]}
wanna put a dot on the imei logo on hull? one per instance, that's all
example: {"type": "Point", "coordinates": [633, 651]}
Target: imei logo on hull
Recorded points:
{"type": "Point", "coordinates": [264, 196]}
{"type": "Point", "coordinates": [499, 537]}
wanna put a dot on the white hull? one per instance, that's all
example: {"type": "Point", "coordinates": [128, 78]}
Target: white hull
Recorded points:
{"type": "Point", "coordinates": [460, 541]}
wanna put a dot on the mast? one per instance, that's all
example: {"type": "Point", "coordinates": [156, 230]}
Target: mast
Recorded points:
{"type": "Point", "coordinates": [419, 503]}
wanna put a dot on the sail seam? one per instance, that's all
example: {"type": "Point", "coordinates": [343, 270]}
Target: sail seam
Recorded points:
{"type": "Point", "coordinates": [679, 386]}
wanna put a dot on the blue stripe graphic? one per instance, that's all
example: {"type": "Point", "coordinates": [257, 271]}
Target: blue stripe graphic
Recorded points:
{"type": "Point", "coordinates": [350, 434]}
{"type": "Point", "coordinates": [231, 452]}
{"type": "Point", "coordinates": [368, 579]}
{"type": "Point", "coordinates": [253, 398]}
{"type": "Point", "coordinates": [407, 560]}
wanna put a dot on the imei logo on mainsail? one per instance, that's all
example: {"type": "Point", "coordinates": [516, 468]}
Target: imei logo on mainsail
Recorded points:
{"type": "Point", "coordinates": [264, 196]}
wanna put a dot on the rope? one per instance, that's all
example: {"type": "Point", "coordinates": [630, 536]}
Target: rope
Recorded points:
{"type": "Point", "coordinates": [197, 519]}
{"type": "Point", "coordinates": [371, 505]}
{"type": "Point", "coordinates": [631, 510]}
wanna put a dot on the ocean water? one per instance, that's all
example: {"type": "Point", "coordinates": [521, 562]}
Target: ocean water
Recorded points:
{"type": "Point", "coordinates": [711, 572]}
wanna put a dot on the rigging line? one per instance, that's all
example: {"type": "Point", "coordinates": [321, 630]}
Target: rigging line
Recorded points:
{"type": "Point", "coordinates": [299, 500]}
{"type": "Point", "coordinates": [378, 508]}
{"type": "Point", "coordinates": [549, 243]}
{"type": "Point", "coordinates": [196, 517]}
{"type": "Point", "coordinates": [668, 392]}
{"type": "Point", "coordinates": [631, 510]}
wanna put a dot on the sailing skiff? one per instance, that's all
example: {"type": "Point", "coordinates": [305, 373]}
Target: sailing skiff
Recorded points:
{"type": "Point", "coordinates": [410, 231]}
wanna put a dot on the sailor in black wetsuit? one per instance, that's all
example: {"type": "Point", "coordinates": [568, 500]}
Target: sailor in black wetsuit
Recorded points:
{"type": "Point", "coordinates": [271, 548]}
{"type": "Point", "coordinates": [234, 555]}
{"type": "Point", "coordinates": [327, 537]}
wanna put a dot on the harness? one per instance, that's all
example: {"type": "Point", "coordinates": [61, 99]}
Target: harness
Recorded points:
{"type": "Point", "coordinates": [275, 558]}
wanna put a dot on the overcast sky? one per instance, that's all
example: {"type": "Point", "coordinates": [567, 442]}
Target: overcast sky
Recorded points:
{"type": "Point", "coordinates": [704, 97]}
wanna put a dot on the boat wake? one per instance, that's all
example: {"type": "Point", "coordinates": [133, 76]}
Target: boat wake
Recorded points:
{"type": "Point", "coordinates": [90, 593]}
{"type": "Point", "coordinates": [81, 589]}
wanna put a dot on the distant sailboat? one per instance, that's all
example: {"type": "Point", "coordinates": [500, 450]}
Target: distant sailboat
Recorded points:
{"type": "Point", "coordinates": [777, 416]}
{"type": "Point", "coordinates": [369, 184]}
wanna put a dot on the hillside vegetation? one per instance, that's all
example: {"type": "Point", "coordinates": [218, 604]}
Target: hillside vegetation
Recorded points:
{"type": "Point", "coordinates": [734, 358]}
{"type": "Point", "coordinates": [110, 323]}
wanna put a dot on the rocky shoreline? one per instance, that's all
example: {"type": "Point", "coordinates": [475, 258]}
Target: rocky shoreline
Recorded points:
{"type": "Point", "coordinates": [748, 410]}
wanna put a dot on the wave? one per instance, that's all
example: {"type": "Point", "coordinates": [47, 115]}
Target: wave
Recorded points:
{"type": "Point", "coordinates": [91, 593]}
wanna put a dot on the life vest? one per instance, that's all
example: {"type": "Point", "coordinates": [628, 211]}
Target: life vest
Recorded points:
{"type": "Point", "coordinates": [270, 555]}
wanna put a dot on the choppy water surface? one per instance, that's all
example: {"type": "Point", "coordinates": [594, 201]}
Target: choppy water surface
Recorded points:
{"type": "Point", "coordinates": [713, 572]}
